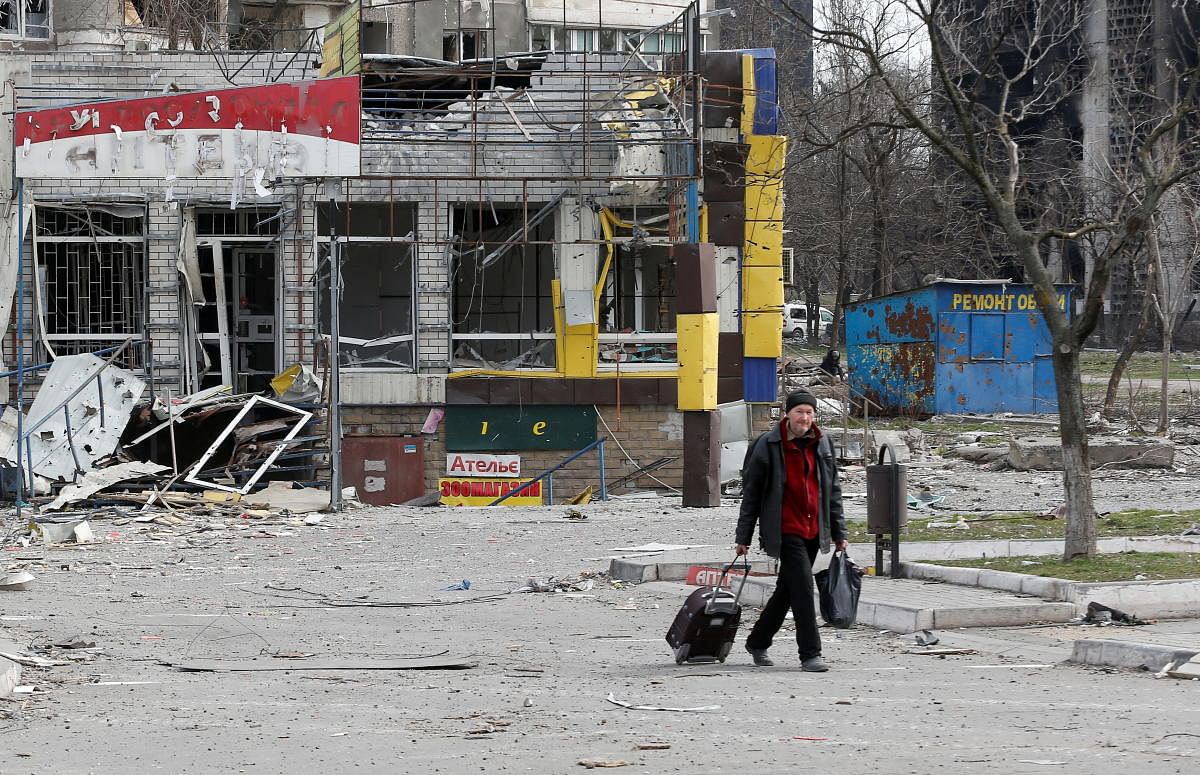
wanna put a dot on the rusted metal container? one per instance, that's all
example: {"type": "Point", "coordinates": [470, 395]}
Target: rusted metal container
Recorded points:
{"type": "Point", "coordinates": [953, 346]}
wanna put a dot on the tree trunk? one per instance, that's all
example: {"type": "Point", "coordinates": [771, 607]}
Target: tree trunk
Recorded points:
{"type": "Point", "coordinates": [1077, 472]}
{"type": "Point", "coordinates": [1131, 341]}
{"type": "Point", "coordinates": [1163, 409]}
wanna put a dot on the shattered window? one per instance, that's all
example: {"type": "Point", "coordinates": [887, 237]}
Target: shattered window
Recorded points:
{"type": "Point", "coordinates": [502, 266]}
{"type": "Point", "coordinates": [637, 302]}
{"type": "Point", "coordinates": [541, 38]}
{"type": "Point", "coordinates": [376, 305]}
{"type": "Point", "coordinates": [91, 276]}
{"type": "Point", "coordinates": [25, 18]}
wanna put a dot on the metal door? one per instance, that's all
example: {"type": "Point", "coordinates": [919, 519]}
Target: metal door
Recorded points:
{"type": "Point", "coordinates": [384, 469]}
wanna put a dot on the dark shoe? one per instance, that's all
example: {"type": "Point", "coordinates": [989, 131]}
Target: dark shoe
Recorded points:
{"type": "Point", "coordinates": [813, 665]}
{"type": "Point", "coordinates": [760, 657]}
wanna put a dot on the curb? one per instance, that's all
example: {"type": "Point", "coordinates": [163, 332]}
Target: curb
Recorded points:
{"type": "Point", "coordinates": [1119, 653]}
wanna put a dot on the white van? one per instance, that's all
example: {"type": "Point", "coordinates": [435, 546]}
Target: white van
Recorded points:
{"type": "Point", "coordinates": [795, 321]}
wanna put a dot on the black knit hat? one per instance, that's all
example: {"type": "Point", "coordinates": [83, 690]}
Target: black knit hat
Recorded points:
{"type": "Point", "coordinates": [798, 397]}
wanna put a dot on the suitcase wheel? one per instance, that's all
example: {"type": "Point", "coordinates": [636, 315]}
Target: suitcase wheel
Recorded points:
{"type": "Point", "coordinates": [681, 653]}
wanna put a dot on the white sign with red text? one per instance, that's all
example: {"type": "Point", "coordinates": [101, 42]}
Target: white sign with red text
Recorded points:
{"type": "Point", "coordinates": [482, 465]}
{"type": "Point", "coordinates": [259, 133]}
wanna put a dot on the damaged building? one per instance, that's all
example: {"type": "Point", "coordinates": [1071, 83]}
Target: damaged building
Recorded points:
{"type": "Point", "coordinates": [524, 226]}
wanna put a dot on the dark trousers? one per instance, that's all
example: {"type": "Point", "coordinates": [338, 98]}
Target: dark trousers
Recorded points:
{"type": "Point", "coordinates": [794, 590]}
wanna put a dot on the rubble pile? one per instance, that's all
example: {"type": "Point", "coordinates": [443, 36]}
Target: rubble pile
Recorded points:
{"type": "Point", "coordinates": [94, 445]}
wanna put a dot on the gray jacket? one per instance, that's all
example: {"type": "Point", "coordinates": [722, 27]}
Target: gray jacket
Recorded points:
{"type": "Point", "coordinates": [762, 493]}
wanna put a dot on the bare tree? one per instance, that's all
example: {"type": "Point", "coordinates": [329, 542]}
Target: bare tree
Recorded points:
{"type": "Point", "coordinates": [1001, 71]}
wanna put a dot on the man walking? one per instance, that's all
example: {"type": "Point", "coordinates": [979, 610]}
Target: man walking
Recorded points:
{"type": "Point", "coordinates": [790, 490]}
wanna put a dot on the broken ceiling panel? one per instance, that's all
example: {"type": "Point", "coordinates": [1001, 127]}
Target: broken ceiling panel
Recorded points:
{"type": "Point", "coordinates": [95, 413]}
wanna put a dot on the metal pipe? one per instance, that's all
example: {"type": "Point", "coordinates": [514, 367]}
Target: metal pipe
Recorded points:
{"type": "Point", "coordinates": [21, 459]}
{"type": "Point", "coordinates": [335, 387]}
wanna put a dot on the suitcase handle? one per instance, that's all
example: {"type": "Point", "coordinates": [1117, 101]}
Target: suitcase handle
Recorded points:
{"type": "Point", "coordinates": [720, 582]}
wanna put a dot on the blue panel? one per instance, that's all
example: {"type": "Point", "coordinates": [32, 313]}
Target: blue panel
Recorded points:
{"type": "Point", "coordinates": [1021, 333]}
{"type": "Point", "coordinates": [953, 337]}
{"type": "Point", "coordinates": [1045, 398]}
{"type": "Point", "coordinates": [900, 317]}
{"type": "Point", "coordinates": [1043, 345]}
{"type": "Point", "coordinates": [766, 105]}
{"type": "Point", "coordinates": [898, 378]}
{"type": "Point", "coordinates": [758, 378]}
{"type": "Point", "coordinates": [987, 337]}
{"type": "Point", "coordinates": [985, 386]}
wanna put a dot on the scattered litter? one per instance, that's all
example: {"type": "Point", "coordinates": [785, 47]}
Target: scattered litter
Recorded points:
{"type": "Point", "coordinates": [257, 665]}
{"type": "Point", "coordinates": [698, 709]}
{"type": "Point", "coordinates": [581, 583]}
{"type": "Point", "coordinates": [961, 524]}
{"type": "Point", "coordinates": [1187, 670]}
{"type": "Point", "coordinates": [1103, 615]}
{"type": "Point", "coordinates": [926, 638]}
{"type": "Point", "coordinates": [528, 703]}
{"type": "Point", "coordinates": [656, 547]}
{"type": "Point", "coordinates": [75, 531]}
{"type": "Point", "coordinates": [924, 499]}
{"type": "Point", "coordinates": [575, 514]}
{"type": "Point", "coordinates": [17, 581]}
{"type": "Point", "coordinates": [812, 739]}
{"type": "Point", "coordinates": [942, 652]}
{"type": "Point", "coordinates": [1194, 530]}
{"type": "Point", "coordinates": [651, 746]}
{"type": "Point", "coordinates": [459, 587]}
{"type": "Point", "coordinates": [1055, 512]}
{"type": "Point", "coordinates": [581, 499]}
{"type": "Point", "coordinates": [93, 482]}
{"type": "Point", "coordinates": [285, 496]}
{"type": "Point", "coordinates": [1047, 762]}
{"type": "Point", "coordinates": [592, 764]}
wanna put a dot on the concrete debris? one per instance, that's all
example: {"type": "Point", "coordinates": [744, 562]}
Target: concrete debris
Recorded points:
{"type": "Point", "coordinates": [926, 638]}
{"type": "Point", "coordinates": [651, 746]}
{"type": "Point", "coordinates": [1189, 670]}
{"type": "Point", "coordinates": [1044, 453]}
{"type": "Point", "coordinates": [442, 662]}
{"type": "Point", "coordinates": [592, 764]}
{"type": "Point", "coordinates": [1102, 614]}
{"type": "Point", "coordinates": [17, 581]}
{"type": "Point", "coordinates": [287, 497]}
{"type": "Point", "coordinates": [10, 675]}
{"type": "Point", "coordinates": [69, 532]}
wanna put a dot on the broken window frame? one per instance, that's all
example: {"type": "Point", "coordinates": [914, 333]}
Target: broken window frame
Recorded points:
{"type": "Point", "coordinates": [610, 340]}
{"type": "Point", "coordinates": [535, 216]}
{"type": "Point", "coordinates": [304, 417]}
{"type": "Point", "coordinates": [109, 262]}
{"type": "Point", "coordinates": [367, 222]}
{"type": "Point", "coordinates": [22, 11]}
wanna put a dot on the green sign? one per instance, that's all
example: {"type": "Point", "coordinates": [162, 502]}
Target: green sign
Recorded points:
{"type": "Point", "coordinates": [494, 428]}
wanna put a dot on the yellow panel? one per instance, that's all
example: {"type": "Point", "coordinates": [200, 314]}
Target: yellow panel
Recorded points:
{"type": "Point", "coordinates": [762, 334]}
{"type": "Point", "coordinates": [698, 335]}
{"type": "Point", "coordinates": [766, 158]}
{"type": "Point", "coordinates": [764, 244]}
{"type": "Point", "coordinates": [749, 95]}
{"type": "Point", "coordinates": [764, 203]}
{"type": "Point", "coordinates": [574, 346]}
{"type": "Point", "coordinates": [762, 288]}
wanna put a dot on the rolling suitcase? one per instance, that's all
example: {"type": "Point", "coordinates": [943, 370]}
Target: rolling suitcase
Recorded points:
{"type": "Point", "coordinates": [704, 628]}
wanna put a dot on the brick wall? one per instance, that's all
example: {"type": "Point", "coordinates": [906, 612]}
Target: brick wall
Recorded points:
{"type": "Point", "coordinates": [646, 433]}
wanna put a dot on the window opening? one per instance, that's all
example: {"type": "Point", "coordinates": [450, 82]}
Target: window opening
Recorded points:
{"type": "Point", "coordinates": [501, 271]}
{"type": "Point", "coordinates": [91, 278]}
{"type": "Point", "coordinates": [637, 305]}
{"type": "Point", "coordinates": [25, 18]}
{"type": "Point", "coordinates": [378, 251]}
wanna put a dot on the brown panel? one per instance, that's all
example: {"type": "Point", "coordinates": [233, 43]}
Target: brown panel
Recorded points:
{"type": "Point", "coordinates": [638, 391]}
{"type": "Point", "coordinates": [695, 278]}
{"type": "Point", "coordinates": [384, 469]}
{"type": "Point", "coordinates": [668, 392]}
{"type": "Point", "coordinates": [729, 354]}
{"type": "Point", "coordinates": [730, 389]}
{"type": "Point", "coordinates": [722, 88]}
{"type": "Point", "coordinates": [468, 390]}
{"type": "Point", "coordinates": [701, 459]}
{"type": "Point", "coordinates": [727, 224]}
{"type": "Point", "coordinates": [551, 391]}
{"type": "Point", "coordinates": [598, 392]}
{"type": "Point", "coordinates": [725, 172]}
{"type": "Point", "coordinates": [510, 390]}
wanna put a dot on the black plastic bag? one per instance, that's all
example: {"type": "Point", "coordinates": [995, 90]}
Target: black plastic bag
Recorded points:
{"type": "Point", "coordinates": [839, 586]}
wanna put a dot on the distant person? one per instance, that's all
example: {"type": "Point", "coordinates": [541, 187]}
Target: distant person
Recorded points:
{"type": "Point", "coordinates": [790, 491]}
{"type": "Point", "coordinates": [831, 368]}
